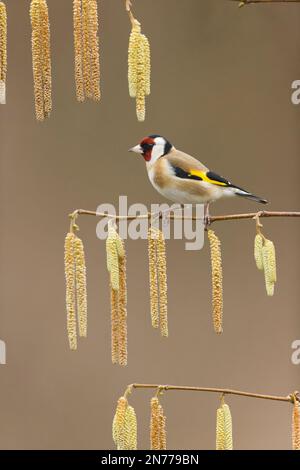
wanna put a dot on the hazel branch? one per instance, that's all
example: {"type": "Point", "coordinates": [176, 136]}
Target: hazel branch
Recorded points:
{"type": "Point", "coordinates": [224, 391]}
{"type": "Point", "coordinates": [248, 2]}
{"type": "Point", "coordinates": [217, 218]}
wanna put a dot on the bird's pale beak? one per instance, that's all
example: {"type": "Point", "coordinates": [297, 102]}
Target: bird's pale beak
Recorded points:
{"type": "Point", "coordinates": [136, 149]}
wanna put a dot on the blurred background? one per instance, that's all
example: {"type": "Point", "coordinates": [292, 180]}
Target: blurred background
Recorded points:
{"type": "Point", "coordinates": [221, 91]}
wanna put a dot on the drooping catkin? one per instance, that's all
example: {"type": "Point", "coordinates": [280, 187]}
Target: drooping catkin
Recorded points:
{"type": "Point", "coordinates": [162, 429]}
{"type": "Point", "coordinates": [217, 281]}
{"type": "Point", "coordinates": [258, 245]}
{"type": "Point", "coordinates": [130, 431]}
{"type": "Point", "coordinates": [70, 289]}
{"type": "Point", "coordinates": [141, 83]}
{"type": "Point", "coordinates": [77, 21]}
{"type": "Point", "coordinates": [147, 60]}
{"type": "Point", "coordinates": [269, 264]}
{"type": "Point", "coordinates": [134, 40]}
{"type": "Point", "coordinates": [118, 428]}
{"type": "Point", "coordinates": [123, 312]}
{"type": "Point", "coordinates": [152, 257]}
{"type": "Point", "coordinates": [112, 258]}
{"type": "Point", "coordinates": [227, 427]}
{"type": "Point", "coordinates": [116, 265]}
{"type": "Point", "coordinates": [224, 439]}
{"type": "Point", "coordinates": [162, 281]}
{"type": "Point", "coordinates": [114, 325]}
{"type": "Point", "coordinates": [158, 434]}
{"type": "Point", "coordinates": [296, 425]}
{"type": "Point", "coordinates": [86, 47]}
{"type": "Point", "coordinates": [81, 292]}
{"type": "Point", "coordinates": [94, 48]}
{"type": "Point", "coordinates": [139, 69]}
{"type": "Point", "coordinates": [41, 58]}
{"type": "Point", "coordinates": [220, 430]}
{"type": "Point", "coordinates": [155, 424]}
{"type": "Point", "coordinates": [3, 52]}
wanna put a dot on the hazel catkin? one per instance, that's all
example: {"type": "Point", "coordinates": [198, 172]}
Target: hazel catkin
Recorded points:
{"type": "Point", "coordinates": [217, 281]}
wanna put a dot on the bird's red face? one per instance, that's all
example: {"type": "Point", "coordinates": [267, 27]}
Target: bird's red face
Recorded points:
{"type": "Point", "coordinates": [152, 148]}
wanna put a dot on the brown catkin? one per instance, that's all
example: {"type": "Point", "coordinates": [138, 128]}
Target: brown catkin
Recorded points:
{"type": "Point", "coordinates": [94, 50]}
{"type": "Point", "coordinates": [296, 425]}
{"type": "Point", "coordinates": [258, 245]}
{"type": "Point", "coordinates": [37, 59]}
{"type": "Point", "coordinates": [155, 424]}
{"type": "Point", "coordinates": [81, 286]}
{"type": "Point", "coordinates": [152, 256]}
{"type": "Point", "coordinates": [217, 281]}
{"type": "Point", "coordinates": [130, 429]}
{"type": "Point", "coordinates": [118, 429]}
{"type": "Point", "coordinates": [163, 286]}
{"type": "Point", "coordinates": [86, 49]}
{"type": "Point", "coordinates": [162, 429]}
{"type": "Point", "coordinates": [114, 299]}
{"type": "Point", "coordinates": [220, 430]}
{"type": "Point", "coordinates": [70, 289]}
{"type": "Point", "coordinates": [41, 60]}
{"type": "Point", "coordinates": [46, 67]}
{"type": "Point", "coordinates": [122, 294]}
{"type": "Point", "coordinates": [77, 22]}
{"type": "Point", "coordinates": [3, 52]}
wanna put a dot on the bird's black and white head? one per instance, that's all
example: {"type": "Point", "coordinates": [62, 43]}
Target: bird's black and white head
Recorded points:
{"type": "Point", "coordinates": [152, 148]}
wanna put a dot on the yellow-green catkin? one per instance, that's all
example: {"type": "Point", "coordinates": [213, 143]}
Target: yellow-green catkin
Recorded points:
{"type": "Point", "coordinates": [81, 290]}
{"type": "Point", "coordinates": [139, 69]}
{"type": "Point", "coordinates": [258, 245]}
{"type": "Point", "coordinates": [3, 52]}
{"type": "Point", "coordinates": [134, 40]}
{"type": "Point", "coordinates": [220, 430]}
{"type": "Point", "coordinates": [152, 257]}
{"type": "Point", "coordinates": [130, 429]}
{"type": "Point", "coordinates": [217, 281]}
{"type": "Point", "coordinates": [141, 83]}
{"type": "Point", "coordinates": [162, 429]}
{"type": "Point", "coordinates": [296, 425]}
{"type": "Point", "coordinates": [269, 263]}
{"type": "Point", "coordinates": [41, 58]}
{"type": "Point", "coordinates": [70, 289]}
{"type": "Point", "coordinates": [227, 427]}
{"type": "Point", "coordinates": [112, 258]}
{"type": "Point", "coordinates": [118, 428]}
{"type": "Point", "coordinates": [163, 285]}
{"type": "Point", "coordinates": [115, 328]}
{"type": "Point", "coordinates": [147, 60]}
{"type": "Point", "coordinates": [224, 440]}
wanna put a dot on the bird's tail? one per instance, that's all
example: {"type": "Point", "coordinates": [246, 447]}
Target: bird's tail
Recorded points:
{"type": "Point", "coordinates": [247, 195]}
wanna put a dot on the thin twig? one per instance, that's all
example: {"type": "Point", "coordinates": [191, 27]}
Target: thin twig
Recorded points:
{"type": "Point", "coordinates": [248, 2]}
{"type": "Point", "coordinates": [225, 391]}
{"type": "Point", "coordinates": [217, 218]}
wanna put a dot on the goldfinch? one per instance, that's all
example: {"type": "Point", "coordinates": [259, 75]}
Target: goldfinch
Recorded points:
{"type": "Point", "coordinates": [181, 178]}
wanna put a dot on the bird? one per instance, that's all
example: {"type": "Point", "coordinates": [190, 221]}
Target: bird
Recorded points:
{"type": "Point", "coordinates": [183, 179]}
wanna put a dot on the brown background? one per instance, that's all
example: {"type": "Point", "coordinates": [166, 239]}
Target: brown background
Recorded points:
{"type": "Point", "coordinates": [221, 91]}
